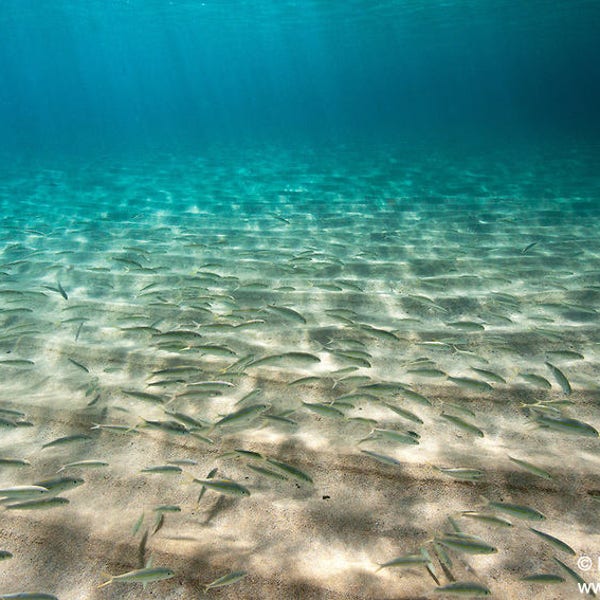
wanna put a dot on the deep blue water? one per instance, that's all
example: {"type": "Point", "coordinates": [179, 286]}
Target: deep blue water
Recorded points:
{"type": "Point", "coordinates": [101, 76]}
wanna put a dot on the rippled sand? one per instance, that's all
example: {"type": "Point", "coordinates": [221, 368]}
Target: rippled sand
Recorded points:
{"type": "Point", "coordinates": [396, 270]}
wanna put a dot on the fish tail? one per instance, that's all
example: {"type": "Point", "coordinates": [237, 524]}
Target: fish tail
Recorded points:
{"type": "Point", "coordinates": [106, 582]}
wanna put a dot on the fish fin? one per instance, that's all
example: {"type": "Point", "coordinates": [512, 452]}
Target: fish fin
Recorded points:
{"type": "Point", "coordinates": [188, 477]}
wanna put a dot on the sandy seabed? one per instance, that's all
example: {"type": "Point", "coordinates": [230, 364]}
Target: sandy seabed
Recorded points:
{"type": "Point", "coordinates": [125, 289]}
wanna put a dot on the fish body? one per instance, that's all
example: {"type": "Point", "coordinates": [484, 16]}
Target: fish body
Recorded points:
{"type": "Point", "coordinates": [531, 468]}
{"type": "Point", "coordinates": [144, 576]}
{"type": "Point", "coordinates": [28, 596]}
{"type": "Point", "coordinates": [84, 464]}
{"type": "Point", "coordinates": [290, 470]}
{"type": "Point", "coordinates": [60, 484]}
{"type": "Point", "coordinates": [224, 486]}
{"type": "Point", "coordinates": [22, 492]}
{"type": "Point", "coordinates": [228, 579]}
{"type": "Point", "coordinates": [464, 425]}
{"type": "Point", "coordinates": [466, 543]}
{"type": "Point", "coordinates": [244, 414]}
{"type": "Point", "coordinates": [463, 473]}
{"type": "Point", "coordinates": [567, 425]}
{"type": "Point", "coordinates": [407, 560]}
{"type": "Point", "coordinates": [518, 511]}
{"type": "Point", "coordinates": [39, 504]}
{"type": "Point", "coordinates": [559, 544]}
{"type": "Point", "coordinates": [465, 588]}
{"type": "Point", "coordinates": [560, 378]}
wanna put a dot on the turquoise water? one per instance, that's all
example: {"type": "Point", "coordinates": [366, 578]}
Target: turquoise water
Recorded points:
{"type": "Point", "coordinates": [290, 291]}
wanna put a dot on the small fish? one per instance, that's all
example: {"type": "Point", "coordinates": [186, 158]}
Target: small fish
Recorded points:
{"type": "Point", "coordinates": [290, 470]}
{"type": "Point", "coordinates": [228, 579]}
{"type": "Point", "coordinates": [84, 464]}
{"type": "Point", "coordinates": [187, 419]}
{"type": "Point", "coordinates": [567, 425]}
{"type": "Point", "coordinates": [518, 511]}
{"type": "Point", "coordinates": [323, 409]}
{"type": "Point", "coordinates": [426, 372]}
{"type": "Point", "coordinates": [14, 462]}
{"type": "Point", "coordinates": [183, 462]}
{"type": "Point", "coordinates": [467, 325]}
{"type": "Point", "coordinates": [304, 381]}
{"type": "Point", "coordinates": [559, 544]}
{"type": "Point", "coordinates": [489, 375]}
{"type": "Point", "coordinates": [462, 409]}
{"type": "Point", "coordinates": [464, 588]}
{"type": "Point", "coordinates": [78, 365]}
{"type": "Point", "coordinates": [565, 354]}
{"type": "Point", "coordinates": [17, 362]}
{"type": "Point", "coordinates": [12, 413]}
{"type": "Point", "coordinates": [144, 576]}
{"type": "Point", "coordinates": [23, 491]}
{"type": "Point", "coordinates": [28, 596]}
{"type": "Point", "coordinates": [407, 414]}
{"type": "Point", "coordinates": [462, 473]}
{"type": "Point", "coordinates": [267, 472]}
{"type": "Point", "coordinates": [384, 386]}
{"type": "Point", "coordinates": [543, 578]}
{"type": "Point", "coordinates": [528, 247]}
{"type": "Point", "coordinates": [471, 384]}
{"type": "Point", "coordinates": [167, 508]}
{"type": "Point", "coordinates": [224, 486]}
{"type": "Point", "coordinates": [138, 524]}
{"type": "Point", "coordinates": [531, 468]}
{"type": "Point", "coordinates": [466, 543]}
{"type": "Point", "coordinates": [39, 504]}
{"type": "Point", "coordinates": [288, 313]}
{"type": "Point", "coordinates": [575, 576]}
{"type": "Point", "coordinates": [464, 425]}
{"type": "Point", "coordinates": [217, 350]}
{"type": "Point", "coordinates": [249, 454]}
{"type": "Point", "coordinates": [155, 398]}
{"type": "Point", "coordinates": [213, 386]}
{"type": "Point", "coordinates": [280, 419]}
{"type": "Point", "coordinates": [382, 458]}
{"type": "Point", "coordinates": [407, 560]}
{"type": "Point", "coordinates": [115, 428]}
{"type": "Point", "coordinates": [409, 437]}
{"type": "Point", "coordinates": [5, 555]}
{"type": "Point", "coordinates": [163, 469]}
{"type": "Point", "coordinates": [168, 426]}
{"type": "Point", "coordinates": [411, 395]}
{"type": "Point", "coordinates": [301, 358]}
{"type": "Point", "coordinates": [244, 414]}
{"type": "Point", "coordinates": [160, 521]}
{"type": "Point", "coordinates": [80, 437]}
{"type": "Point", "coordinates": [487, 518]}
{"type": "Point", "coordinates": [60, 484]}
{"type": "Point", "coordinates": [560, 378]}
{"type": "Point", "coordinates": [379, 333]}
